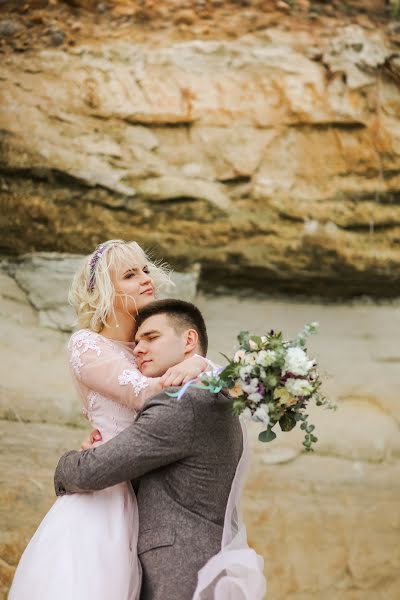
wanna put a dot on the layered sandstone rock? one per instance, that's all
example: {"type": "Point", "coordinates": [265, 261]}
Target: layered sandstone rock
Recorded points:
{"type": "Point", "coordinates": [278, 155]}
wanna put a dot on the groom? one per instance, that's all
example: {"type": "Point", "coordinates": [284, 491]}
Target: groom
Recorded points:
{"type": "Point", "coordinates": [184, 453]}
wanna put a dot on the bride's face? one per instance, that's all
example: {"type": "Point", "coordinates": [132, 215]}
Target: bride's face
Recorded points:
{"type": "Point", "coordinates": [134, 287]}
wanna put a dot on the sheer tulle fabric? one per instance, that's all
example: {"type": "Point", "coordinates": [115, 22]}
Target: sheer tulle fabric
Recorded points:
{"type": "Point", "coordinates": [85, 547]}
{"type": "Point", "coordinates": [236, 572]}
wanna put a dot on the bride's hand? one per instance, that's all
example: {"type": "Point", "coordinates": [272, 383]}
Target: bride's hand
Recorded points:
{"type": "Point", "coordinates": [95, 436]}
{"type": "Point", "coordinates": [183, 372]}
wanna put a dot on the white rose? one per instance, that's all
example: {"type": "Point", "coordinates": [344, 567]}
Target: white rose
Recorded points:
{"type": "Point", "coordinates": [255, 397]}
{"type": "Point", "coordinates": [298, 387]}
{"type": "Point", "coordinates": [245, 372]}
{"type": "Point", "coordinates": [261, 415]}
{"type": "Point", "coordinates": [265, 358]}
{"type": "Point", "coordinates": [252, 386]}
{"type": "Point", "coordinates": [239, 356]}
{"type": "Point", "coordinates": [297, 362]}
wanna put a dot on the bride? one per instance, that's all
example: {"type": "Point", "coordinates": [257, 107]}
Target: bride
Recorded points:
{"type": "Point", "coordinates": [86, 546]}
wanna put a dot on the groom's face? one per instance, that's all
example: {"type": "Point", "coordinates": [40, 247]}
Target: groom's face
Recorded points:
{"type": "Point", "coordinates": [159, 345]}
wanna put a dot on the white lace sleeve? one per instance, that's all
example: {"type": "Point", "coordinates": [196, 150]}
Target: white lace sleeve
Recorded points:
{"type": "Point", "coordinates": [138, 381]}
{"type": "Point", "coordinates": [79, 343]}
{"type": "Point", "coordinates": [100, 365]}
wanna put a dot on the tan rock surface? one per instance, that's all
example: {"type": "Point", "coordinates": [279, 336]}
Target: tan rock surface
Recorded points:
{"type": "Point", "coordinates": [31, 357]}
{"type": "Point", "coordinates": [327, 527]}
{"type": "Point", "coordinates": [237, 144]}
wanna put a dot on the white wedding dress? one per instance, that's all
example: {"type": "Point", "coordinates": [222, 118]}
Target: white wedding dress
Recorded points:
{"type": "Point", "coordinates": [86, 545]}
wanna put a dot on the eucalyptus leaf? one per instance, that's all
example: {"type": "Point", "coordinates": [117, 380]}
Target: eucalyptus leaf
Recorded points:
{"type": "Point", "coordinates": [267, 436]}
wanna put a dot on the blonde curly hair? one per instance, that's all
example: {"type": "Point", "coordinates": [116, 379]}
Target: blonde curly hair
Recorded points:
{"type": "Point", "coordinates": [92, 292]}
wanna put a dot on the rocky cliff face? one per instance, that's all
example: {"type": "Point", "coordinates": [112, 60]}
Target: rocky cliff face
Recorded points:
{"type": "Point", "coordinates": [271, 157]}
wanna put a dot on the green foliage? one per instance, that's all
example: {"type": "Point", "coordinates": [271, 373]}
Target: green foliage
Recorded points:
{"type": "Point", "coordinates": [243, 339]}
{"type": "Point", "coordinates": [238, 406]}
{"type": "Point", "coordinates": [275, 341]}
{"type": "Point", "coordinates": [257, 340]}
{"type": "Point", "coordinates": [229, 373]}
{"type": "Point", "coordinates": [267, 436]}
{"type": "Point", "coordinates": [287, 421]}
{"type": "Point", "coordinates": [309, 438]}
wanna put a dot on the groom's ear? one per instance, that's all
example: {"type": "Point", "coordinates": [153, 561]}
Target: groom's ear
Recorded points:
{"type": "Point", "coordinates": [191, 340]}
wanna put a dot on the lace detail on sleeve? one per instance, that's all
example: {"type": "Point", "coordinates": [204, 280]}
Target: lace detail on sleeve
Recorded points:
{"type": "Point", "coordinates": [81, 342]}
{"type": "Point", "coordinates": [138, 381]}
{"type": "Point", "coordinates": [109, 368]}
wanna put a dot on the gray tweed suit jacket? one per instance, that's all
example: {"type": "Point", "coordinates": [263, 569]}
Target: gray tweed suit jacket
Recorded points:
{"type": "Point", "coordinates": [184, 453]}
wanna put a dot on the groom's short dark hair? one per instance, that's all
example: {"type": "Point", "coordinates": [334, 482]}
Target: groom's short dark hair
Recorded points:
{"type": "Point", "coordinates": [184, 315]}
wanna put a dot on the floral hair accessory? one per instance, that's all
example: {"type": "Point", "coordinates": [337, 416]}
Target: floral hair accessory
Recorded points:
{"type": "Point", "coordinates": [93, 262]}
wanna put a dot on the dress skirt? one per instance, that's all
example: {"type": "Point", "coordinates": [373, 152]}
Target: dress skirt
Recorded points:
{"type": "Point", "coordinates": [85, 547]}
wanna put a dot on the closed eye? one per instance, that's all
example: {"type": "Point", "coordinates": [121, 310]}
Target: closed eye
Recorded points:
{"type": "Point", "coordinates": [130, 273]}
{"type": "Point", "coordinates": [134, 272]}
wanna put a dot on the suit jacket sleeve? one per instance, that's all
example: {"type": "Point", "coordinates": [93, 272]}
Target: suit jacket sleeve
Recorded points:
{"type": "Point", "coordinates": [163, 433]}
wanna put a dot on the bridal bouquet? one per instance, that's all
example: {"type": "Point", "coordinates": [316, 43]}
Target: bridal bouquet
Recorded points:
{"type": "Point", "coordinates": [272, 381]}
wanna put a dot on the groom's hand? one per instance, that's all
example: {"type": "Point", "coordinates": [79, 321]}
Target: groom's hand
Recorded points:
{"type": "Point", "coordinates": [95, 436]}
